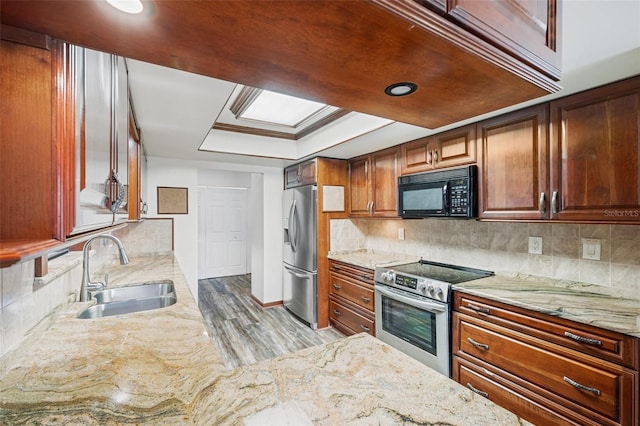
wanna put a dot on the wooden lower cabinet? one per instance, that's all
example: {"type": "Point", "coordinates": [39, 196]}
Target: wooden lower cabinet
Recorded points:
{"type": "Point", "coordinates": [351, 298]}
{"type": "Point", "coordinates": [532, 372]}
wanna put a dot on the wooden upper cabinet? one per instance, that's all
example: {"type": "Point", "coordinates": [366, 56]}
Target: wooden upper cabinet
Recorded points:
{"type": "Point", "coordinates": [595, 139]}
{"type": "Point", "coordinates": [528, 30]}
{"type": "Point", "coordinates": [374, 184]}
{"type": "Point", "coordinates": [513, 152]}
{"type": "Point", "coordinates": [448, 149]}
{"type": "Point", "coordinates": [384, 182]}
{"type": "Point", "coordinates": [359, 188]}
{"type": "Point", "coordinates": [300, 174]}
{"type": "Point", "coordinates": [33, 94]}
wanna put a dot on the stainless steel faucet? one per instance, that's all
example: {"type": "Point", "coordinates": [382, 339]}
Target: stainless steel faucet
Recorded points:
{"type": "Point", "coordinates": [87, 285]}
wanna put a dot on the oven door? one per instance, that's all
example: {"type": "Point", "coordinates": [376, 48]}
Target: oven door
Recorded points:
{"type": "Point", "coordinates": [417, 326]}
{"type": "Point", "coordinates": [424, 199]}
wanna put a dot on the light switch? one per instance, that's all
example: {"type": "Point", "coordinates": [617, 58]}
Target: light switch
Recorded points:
{"type": "Point", "coordinates": [590, 249]}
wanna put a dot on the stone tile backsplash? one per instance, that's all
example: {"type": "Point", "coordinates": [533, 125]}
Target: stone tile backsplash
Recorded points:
{"type": "Point", "coordinates": [25, 301]}
{"type": "Point", "coordinates": [503, 246]}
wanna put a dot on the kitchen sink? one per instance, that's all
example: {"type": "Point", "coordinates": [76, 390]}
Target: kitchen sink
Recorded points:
{"type": "Point", "coordinates": [140, 291]}
{"type": "Point", "coordinates": [127, 307]}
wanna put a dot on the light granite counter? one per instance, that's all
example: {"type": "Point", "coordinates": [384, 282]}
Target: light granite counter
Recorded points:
{"type": "Point", "coordinates": [604, 307]}
{"type": "Point", "coordinates": [371, 258]}
{"type": "Point", "coordinates": [161, 367]}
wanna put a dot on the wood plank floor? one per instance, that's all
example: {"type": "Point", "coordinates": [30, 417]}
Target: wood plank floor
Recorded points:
{"type": "Point", "coordinates": [244, 332]}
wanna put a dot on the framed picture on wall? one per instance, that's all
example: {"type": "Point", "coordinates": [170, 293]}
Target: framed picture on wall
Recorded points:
{"type": "Point", "coordinates": [172, 200]}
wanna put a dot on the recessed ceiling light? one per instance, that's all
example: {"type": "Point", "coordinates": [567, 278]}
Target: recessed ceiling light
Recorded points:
{"type": "Point", "coordinates": [401, 89]}
{"type": "Point", "coordinates": [127, 6]}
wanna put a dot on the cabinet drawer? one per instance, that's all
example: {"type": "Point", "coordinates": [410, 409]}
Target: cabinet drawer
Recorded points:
{"type": "Point", "coordinates": [351, 271]}
{"type": "Point", "coordinates": [360, 295]}
{"type": "Point", "coordinates": [351, 319]}
{"type": "Point", "coordinates": [608, 345]}
{"type": "Point", "coordinates": [580, 378]}
{"type": "Point", "coordinates": [508, 395]}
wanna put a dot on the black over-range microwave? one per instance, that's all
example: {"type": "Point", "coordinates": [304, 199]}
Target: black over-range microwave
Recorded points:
{"type": "Point", "coordinates": [440, 193]}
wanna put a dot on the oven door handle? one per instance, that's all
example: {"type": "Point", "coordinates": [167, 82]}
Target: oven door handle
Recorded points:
{"type": "Point", "coordinates": [421, 304]}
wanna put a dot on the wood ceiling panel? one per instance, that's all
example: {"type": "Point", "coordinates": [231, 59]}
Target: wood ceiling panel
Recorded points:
{"type": "Point", "coordinates": [343, 53]}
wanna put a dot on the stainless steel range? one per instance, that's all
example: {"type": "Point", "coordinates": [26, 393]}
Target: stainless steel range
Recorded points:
{"type": "Point", "coordinates": [413, 309]}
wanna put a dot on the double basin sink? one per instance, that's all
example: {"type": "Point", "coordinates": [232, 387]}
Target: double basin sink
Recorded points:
{"type": "Point", "coordinates": [126, 300]}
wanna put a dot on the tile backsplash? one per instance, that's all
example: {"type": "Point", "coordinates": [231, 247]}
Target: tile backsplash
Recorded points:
{"type": "Point", "coordinates": [25, 300]}
{"type": "Point", "coordinates": [503, 246]}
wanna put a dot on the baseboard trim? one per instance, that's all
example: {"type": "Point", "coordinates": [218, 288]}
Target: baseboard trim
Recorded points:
{"type": "Point", "coordinates": [266, 305]}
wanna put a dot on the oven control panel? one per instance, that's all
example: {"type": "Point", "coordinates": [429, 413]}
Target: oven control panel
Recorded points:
{"type": "Point", "coordinates": [431, 289]}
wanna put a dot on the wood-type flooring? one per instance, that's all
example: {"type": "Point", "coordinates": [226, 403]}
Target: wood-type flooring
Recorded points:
{"type": "Point", "coordinates": [243, 332]}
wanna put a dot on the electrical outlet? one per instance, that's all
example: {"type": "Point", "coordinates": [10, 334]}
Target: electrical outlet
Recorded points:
{"type": "Point", "coordinates": [401, 233]}
{"type": "Point", "coordinates": [590, 249]}
{"type": "Point", "coordinates": [535, 245]}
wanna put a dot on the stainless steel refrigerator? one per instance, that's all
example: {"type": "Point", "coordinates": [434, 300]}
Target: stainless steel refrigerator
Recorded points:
{"type": "Point", "coordinates": [300, 266]}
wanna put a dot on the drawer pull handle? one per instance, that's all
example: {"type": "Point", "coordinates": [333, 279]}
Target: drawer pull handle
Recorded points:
{"type": "Point", "coordinates": [478, 391]}
{"type": "Point", "coordinates": [581, 387]}
{"type": "Point", "coordinates": [478, 345]}
{"type": "Point", "coordinates": [337, 313]}
{"type": "Point", "coordinates": [365, 328]}
{"type": "Point", "coordinates": [336, 286]}
{"type": "Point", "coordinates": [365, 276]}
{"type": "Point", "coordinates": [583, 339]}
{"type": "Point", "coordinates": [365, 299]}
{"type": "Point", "coordinates": [478, 309]}
{"type": "Point", "coordinates": [336, 268]}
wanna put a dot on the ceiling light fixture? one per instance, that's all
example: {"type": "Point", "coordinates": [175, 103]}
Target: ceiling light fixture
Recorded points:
{"type": "Point", "coordinates": [128, 6]}
{"type": "Point", "coordinates": [401, 89]}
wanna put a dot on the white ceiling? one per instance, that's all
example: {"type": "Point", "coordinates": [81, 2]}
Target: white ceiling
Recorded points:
{"type": "Point", "coordinates": [176, 109]}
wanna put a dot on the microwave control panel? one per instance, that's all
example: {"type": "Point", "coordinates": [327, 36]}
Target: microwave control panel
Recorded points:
{"type": "Point", "coordinates": [459, 198]}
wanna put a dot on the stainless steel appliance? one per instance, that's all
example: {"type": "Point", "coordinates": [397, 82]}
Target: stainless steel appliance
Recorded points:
{"type": "Point", "coordinates": [300, 273]}
{"type": "Point", "coordinates": [441, 193]}
{"type": "Point", "coordinates": [413, 309]}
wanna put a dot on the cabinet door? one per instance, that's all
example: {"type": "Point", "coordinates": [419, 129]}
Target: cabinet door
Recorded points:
{"type": "Point", "coordinates": [416, 156]}
{"type": "Point", "coordinates": [528, 30]}
{"type": "Point", "coordinates": [384, 182]}
{"type": "Point", "coordinates": [513, 165]}
{"type": "Point", "coordinates": [455, 147]}
{"type": "Point", "coordinates": [26, 161]}
{"type": "Point", "coordinates": [93, 146]}
{"type": "Point", "coordinates": [120, 148]}
{"type": "Point", "coordinates": [300, 174]}
{"type": "Point", "coordinates": [359, 186]}
{"type": "Point", "coordinates": [595, 137]}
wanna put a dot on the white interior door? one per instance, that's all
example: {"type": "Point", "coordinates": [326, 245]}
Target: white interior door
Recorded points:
{"type": "Point", "coordinates": [222, 232]}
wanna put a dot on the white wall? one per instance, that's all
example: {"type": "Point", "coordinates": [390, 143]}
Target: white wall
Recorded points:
{"type": "Point", "coordinates": [265, 216]}
{"type": "Point", "coordinates": [175, 173]}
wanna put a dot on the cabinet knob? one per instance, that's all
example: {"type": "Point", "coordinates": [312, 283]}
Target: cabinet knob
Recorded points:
{"type": "Point", "coordinates": [478, 309]}
{"type": "Point", "coordinates": [478, 391]}
{"type": "Point", "coordinates": [582, 339]}
{"type": "Point", "coordinates": [581, 387]}
{"type": "Point", "coordinates": [554, 202]}
{"type": "Point", "coordinates": [478, 345]}
{"type": "Point", "coordinates": [542, 203]}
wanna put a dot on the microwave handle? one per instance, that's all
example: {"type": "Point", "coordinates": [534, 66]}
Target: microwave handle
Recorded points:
{"type": "Point", "coordinates": [445, 197]}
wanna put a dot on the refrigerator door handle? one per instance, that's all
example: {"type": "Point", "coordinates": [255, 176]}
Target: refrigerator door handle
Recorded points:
{"type": "Point", "coordinates": [294, 272]}
{"type": "Point", "coordinates": [293, 232]}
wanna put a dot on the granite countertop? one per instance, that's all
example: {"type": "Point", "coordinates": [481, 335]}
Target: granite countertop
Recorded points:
{"type": "Point", "coordinates": [605, 307]}
{"type": "Point", "coordinates": [162, 367]}
{"type": "Point", "coordinates": [371, 258]}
